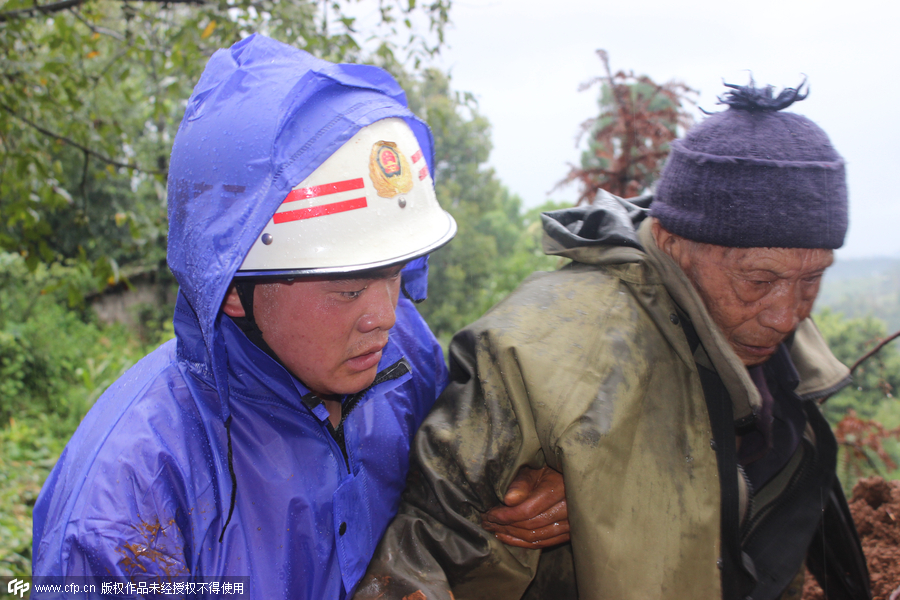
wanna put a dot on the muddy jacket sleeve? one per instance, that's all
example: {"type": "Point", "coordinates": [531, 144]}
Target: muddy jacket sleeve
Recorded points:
{"type": "Point", "coordinates": [460, 466]}
{"type": "Point", "coordinates": [586, 371]}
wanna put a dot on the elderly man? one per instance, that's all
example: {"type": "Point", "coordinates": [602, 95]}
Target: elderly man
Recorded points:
{"type": "Point", "coordinates": [670, 373]}
{"type": "Point", "coordinates": [269, 441]}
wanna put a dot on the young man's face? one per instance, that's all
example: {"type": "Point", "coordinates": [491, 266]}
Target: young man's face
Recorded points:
{"type": "Point", "coordinates": [329, 332]}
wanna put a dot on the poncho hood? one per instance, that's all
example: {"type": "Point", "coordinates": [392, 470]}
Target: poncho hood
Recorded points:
{"type": "Point", "coordinates": [262, 117]}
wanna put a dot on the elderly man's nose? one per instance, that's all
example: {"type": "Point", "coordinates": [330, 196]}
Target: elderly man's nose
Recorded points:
{"type": "Point", "coordinates": [782, 314]}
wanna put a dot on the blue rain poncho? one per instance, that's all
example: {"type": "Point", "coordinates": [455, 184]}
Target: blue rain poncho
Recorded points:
{"type": "Point", "coordinates": [203, 460]}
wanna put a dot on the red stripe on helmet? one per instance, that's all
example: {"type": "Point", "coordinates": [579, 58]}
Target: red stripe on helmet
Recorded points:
{"type": "Point", "coordinates": [423, 173]}
{"type": "Point", "coordinates": [417, 156]}
{"type": "Point", "coordinates": [324, 189]}
{"type": "Point", "coordinates": [319, 211]}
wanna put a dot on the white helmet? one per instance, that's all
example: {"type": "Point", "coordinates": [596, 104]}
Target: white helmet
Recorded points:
{"type": "Point", "coordinates": [371, 204]}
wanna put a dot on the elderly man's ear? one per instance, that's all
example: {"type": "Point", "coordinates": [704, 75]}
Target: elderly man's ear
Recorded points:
{"type": "Point", "coordinates": [675, 246]}
{"type": "Point", "coordinates": [232, 306]}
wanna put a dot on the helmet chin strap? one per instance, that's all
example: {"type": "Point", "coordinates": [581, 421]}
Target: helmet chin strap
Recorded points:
{"type": "Point", "coordinates": [245, 291]}
{"type": "Point", "coordinates": [247, 323]}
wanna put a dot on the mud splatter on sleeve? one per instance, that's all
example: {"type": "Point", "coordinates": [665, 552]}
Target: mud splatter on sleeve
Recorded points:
{"type": "Point", "coordinates": [468, 448]}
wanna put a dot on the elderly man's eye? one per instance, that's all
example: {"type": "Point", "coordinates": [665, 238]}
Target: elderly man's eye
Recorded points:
{"type": "Point", "coordinates": [353, 295]}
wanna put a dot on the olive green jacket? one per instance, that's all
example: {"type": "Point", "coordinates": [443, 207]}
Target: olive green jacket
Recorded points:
{"type": "Point", "coordinates": [586, 369]}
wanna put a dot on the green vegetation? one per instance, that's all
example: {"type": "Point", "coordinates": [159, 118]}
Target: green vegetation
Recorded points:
{"type": "Point", "coordinates": [92, 92]}
{"type": "Point", "coordinates": [859, 306]}
{"type": "Point", "coordinates": [55, 361]}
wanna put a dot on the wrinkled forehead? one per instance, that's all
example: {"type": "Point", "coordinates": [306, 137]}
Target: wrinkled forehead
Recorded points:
{"type": "Point", "coordinates": [783, 262]}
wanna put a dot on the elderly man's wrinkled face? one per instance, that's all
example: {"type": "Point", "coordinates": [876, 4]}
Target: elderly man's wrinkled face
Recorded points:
{"type": "Point", "coordinates": [757, 296]}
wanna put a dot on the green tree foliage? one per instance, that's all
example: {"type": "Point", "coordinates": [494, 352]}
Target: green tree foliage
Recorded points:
{"type": "Point", "coordinates": [54, 363]}
{"type": "Point", "coordinates": [497, 246]}
{"type": "Point", "coordinates": [629, 140]}
{"type": "Point", "coordinates": [876, 381]}
{"type": "Point", "coordinates": [866, 414]}
{"type": "Point", "coordinates": [92, 91]}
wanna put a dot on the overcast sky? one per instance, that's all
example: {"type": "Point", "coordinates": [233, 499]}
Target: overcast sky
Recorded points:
{"type": "Point", "coordinates": [525, 59]}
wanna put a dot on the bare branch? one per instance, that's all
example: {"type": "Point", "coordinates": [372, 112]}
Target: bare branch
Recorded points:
{"type": "Point", "coordinates": [35, 10]}
{"type": "Point", "coordinates": [874, 350]}
{"type": "Point", "coordinates": [84, 175]}
{"type": "Point", "coordinates": [55, 7]}
{"type": "Point", "coordinates": [861, 451]}
{"type": "Point", "coordinates": [74, 144]}
{"type": "Point", "coordinates": [96, 29]}
{"type": "Point", "coordinates": [867, 356]}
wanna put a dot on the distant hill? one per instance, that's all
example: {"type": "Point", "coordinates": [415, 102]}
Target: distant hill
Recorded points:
{"type": "Point", "coordinates": [860, 268]}
{"type": "Point", "coordinates": [864, 286]}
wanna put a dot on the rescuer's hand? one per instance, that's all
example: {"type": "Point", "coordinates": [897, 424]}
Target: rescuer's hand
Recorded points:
{"type": "Point", "coordinates": [533, 513]}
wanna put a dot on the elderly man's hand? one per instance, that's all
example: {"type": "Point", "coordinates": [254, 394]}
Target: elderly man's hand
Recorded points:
{"type": "Point", "coordinates": [534, 512]}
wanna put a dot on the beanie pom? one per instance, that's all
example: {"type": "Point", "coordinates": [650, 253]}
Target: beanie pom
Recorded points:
{"type": "Point", "coordinates": [752, 98]}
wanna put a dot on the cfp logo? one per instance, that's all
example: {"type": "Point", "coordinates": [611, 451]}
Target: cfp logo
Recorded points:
{"type": "Point", "coordinates": [16, 587]}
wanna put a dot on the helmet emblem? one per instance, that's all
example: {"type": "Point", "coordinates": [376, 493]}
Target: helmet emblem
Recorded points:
{"type": "Point", "coordinates": [389, 170]}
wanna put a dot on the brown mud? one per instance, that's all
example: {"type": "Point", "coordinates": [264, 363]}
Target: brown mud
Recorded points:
{"type": "Point", "coordinates": [875, 505]}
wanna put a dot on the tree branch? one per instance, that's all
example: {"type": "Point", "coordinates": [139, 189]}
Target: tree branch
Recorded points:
{"type": "Point", "coordinates": [45, 9]}
{"type": "Point", "coordinates": [84, 175]}
{"type": "Point", "coordinates": [74, 144]}
{"type": "Point", "coordinates": [96, 29]}
{"type": "Point", "coordinates": [874, 350]}
{"type": "Point", "coordinates": [867, 356]}
{"type": "Point", "coordinates": [860, 449]}
{"type": "Point", "coordinates": [54, 7]}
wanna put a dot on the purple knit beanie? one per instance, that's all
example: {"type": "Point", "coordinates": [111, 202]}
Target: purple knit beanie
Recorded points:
{"type": "Point", "coordinates": [751, 176]}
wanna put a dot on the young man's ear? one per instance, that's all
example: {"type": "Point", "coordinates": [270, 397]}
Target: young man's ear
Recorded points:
{"type": "Point", "coordinates": [232, 306]}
